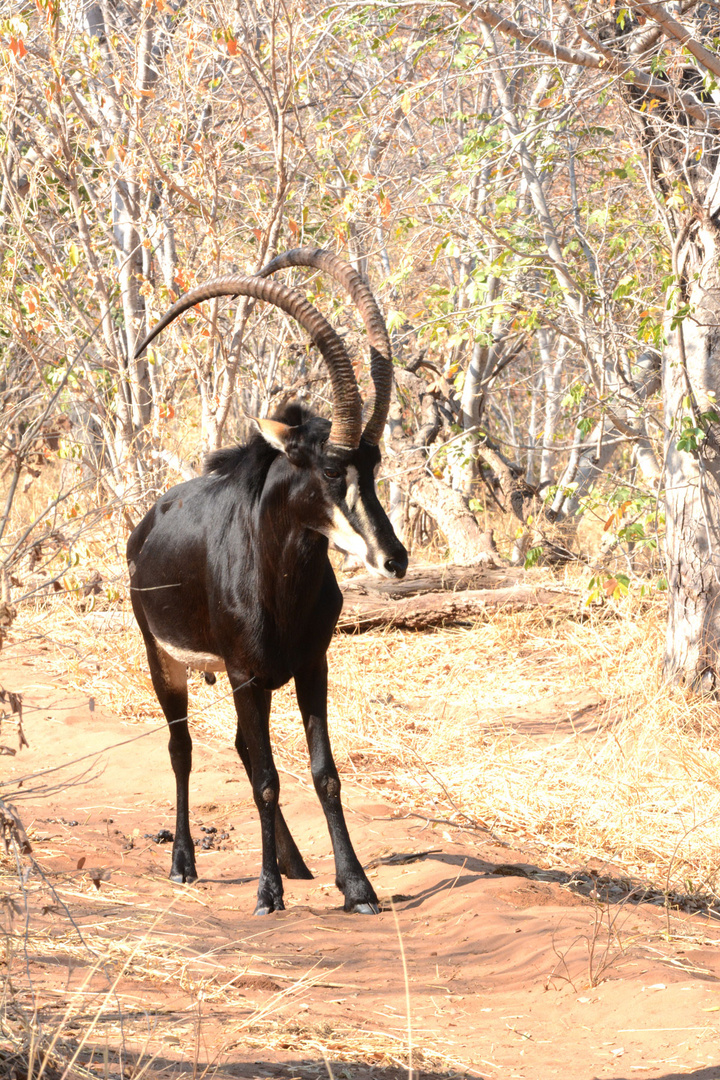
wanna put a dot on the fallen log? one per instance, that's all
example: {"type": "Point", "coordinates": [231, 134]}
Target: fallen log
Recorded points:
{"type": "Point", "coordinates": [423, 579]}
{"type": "Point", "coordinates": [421, 612]}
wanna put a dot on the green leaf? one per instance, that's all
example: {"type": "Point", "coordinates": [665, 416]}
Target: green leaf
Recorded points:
{"type": "Point", "coordinates": [625, 286]}
{"type": "Point", "coordinates": [395, 319]}
{"type": "Point", "coordinates": [533, 557]}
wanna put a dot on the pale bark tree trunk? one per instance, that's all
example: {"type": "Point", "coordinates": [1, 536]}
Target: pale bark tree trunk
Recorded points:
{"type": "Point", "coordinates": [129, 272]}
{"type": "Point", "coordinates": [691, 382]}
{"type": "Point", "coordinates": [532, 429]}
{"type": "Point", "coordinates": [552, 368]}
{"type": "Point", "coordinates": [408, 464]}
{"type": "Point", "coordinates": [277, 88]}
{"type": "Point", "coordinates": [398, 497]}
{"type": "Point", "coordinates": [126, 226]}
{"type": "Point", "coordinates": [467, 543]}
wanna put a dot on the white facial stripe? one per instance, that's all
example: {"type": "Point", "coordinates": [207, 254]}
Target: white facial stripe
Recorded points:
{"type": "Point", "coordinates": [375, 561]}
{"type": "Point", "coordinates": [353, 487]}
{"type": "Point", "coordinates": [346, 537]}
{"type": "Point", "coordinates": [342, 534]}
{"type": "Point", "coordinates": [362, 516]}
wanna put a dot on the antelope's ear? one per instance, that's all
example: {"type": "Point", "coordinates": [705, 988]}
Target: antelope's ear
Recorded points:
{"type": "Point", "coordinates": [277, 434]}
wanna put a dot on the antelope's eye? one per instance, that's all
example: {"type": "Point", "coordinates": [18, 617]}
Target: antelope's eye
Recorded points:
{"type": "Point", "coordinates": [332, 474]}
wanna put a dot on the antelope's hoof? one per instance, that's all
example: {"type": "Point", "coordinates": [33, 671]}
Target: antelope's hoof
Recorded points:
{"type": "Point", "coordinates": [183, 879]}
{"type": "Point", "coordinates": [266, 907]}
{"type": "Point", "coordinates": [365, 909]}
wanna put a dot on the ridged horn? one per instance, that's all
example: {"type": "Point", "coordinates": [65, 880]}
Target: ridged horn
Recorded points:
{"type": "Point", "coordinates": [380, 351]}
{"type": "Point", "coordinates": [346, 426]}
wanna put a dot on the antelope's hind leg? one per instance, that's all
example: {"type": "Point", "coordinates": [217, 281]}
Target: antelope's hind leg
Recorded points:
{"type": "Point", "coordinates": [290, 861]}
{"type": "Point", "coordinates": [169, 678]}
{"type": "Point", "coordinates": [252, 705]}
{"type": "Point", "coordinates": [350, 878]}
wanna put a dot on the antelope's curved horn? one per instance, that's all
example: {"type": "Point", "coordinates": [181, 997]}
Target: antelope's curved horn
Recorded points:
{"type": "Point", "coordinates": [346, 428]}
{"type": "Point", "coordinates": [380, 351]}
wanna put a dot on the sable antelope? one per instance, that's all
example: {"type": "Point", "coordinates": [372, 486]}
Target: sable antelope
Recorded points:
{"type": "Point", "coordinates": [230, 571]}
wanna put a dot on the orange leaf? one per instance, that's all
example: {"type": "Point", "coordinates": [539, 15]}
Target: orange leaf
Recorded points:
{"type": "Point", "coordinates": [232, 45]}
{"type": "Point", "coordinates": [257, 233]}
{"type": "Point", "coordinates": [293, 226]}
{"type": "Point", "coordinates": [610, 586]}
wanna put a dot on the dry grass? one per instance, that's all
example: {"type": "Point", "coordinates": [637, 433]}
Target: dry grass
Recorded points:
{"type": "Point", "coordinates": [489, 723]}
{"type": "Point", "coordinates": [552, 731]}
{"type": "Point", "coordinates": [130, 993]}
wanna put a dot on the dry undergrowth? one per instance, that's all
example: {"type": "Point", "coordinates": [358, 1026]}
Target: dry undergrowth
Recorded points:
{"type": "Point", "coordinates": [545, 728]}
{"type": "Point", "coordinates": [552, 731]}
{"type": "Point", "coordinates": [106, 1026]}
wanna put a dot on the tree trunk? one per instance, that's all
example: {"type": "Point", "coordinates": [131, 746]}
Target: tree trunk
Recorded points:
{"type": "Point", "coordinates": [552, 368]}
{"type": "Point", "coordinates": [691, 381]}
{"type": "Point", "coordinates": [467, 542]}
{"type": "Point", "coordinates": [629, 422]}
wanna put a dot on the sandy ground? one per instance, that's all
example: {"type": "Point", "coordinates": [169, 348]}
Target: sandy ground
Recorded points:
{"type": "Point", "coordinates": [512, 968]}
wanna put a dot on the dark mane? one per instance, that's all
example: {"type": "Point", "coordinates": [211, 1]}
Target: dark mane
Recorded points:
{"type": "Point", "coordinates": [230, 458]}
{"type": "Point", "coordinates": [256, 454]}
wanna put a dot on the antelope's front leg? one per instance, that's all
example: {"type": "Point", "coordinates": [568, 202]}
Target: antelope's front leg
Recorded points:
{"type": "Point", "coordinates": [350, 878]}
